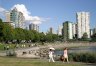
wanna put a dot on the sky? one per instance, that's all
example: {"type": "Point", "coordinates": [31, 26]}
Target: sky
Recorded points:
{"type": "Point", "coordinates": [51, 13]}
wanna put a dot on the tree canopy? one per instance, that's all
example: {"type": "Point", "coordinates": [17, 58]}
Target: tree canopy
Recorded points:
{"type": "Point", "coordinates": [9, 34]}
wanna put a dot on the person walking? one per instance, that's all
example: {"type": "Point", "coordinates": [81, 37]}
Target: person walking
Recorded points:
{"type": "Point", "coordinates": [51, 55]}
{"type": "Point", "coordinates": [7, 47]}
{"type": "Point", "coordinates": [65, 54]}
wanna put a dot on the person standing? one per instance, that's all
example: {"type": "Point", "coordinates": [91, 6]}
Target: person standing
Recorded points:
{"type": "Point", "coordinates": [7, 47]}
{"type": "Point", "coordinates": [51, 55]}
{"type": "Point", "coordinates": [65, 54]}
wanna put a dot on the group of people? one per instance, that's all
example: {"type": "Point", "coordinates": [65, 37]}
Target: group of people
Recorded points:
{"type": "Point", "coordinates": [62, 58]}
{"type": "Point", "coordinates": [6, 47]}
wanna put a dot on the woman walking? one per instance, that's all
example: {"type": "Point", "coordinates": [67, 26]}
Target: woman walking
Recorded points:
{"type": "Point", "coordinates": [65, 54]}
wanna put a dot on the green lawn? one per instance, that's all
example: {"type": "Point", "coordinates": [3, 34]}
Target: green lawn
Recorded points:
{"type": "Point", "coordinates": [6, 61]}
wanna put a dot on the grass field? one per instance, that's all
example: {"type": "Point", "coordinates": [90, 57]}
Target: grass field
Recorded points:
{"type": "Point", "coordinates": [7, 61]}
{"type": "Point", "coordinates": [11, 61]}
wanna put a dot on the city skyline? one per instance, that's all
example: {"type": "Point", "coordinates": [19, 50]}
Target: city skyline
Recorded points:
{"type": "Point", "coordinates": [51, 13]}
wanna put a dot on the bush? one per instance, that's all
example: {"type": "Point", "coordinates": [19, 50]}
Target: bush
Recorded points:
{"type": "Point", "coordinates": [10, 53]}
{"type": "Point", "coordinates": [83, 57]}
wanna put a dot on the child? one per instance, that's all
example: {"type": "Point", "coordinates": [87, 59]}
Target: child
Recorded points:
{"type": "Point", "coordinates": [51, 55]}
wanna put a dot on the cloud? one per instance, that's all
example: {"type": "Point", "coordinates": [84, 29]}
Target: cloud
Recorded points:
{"type": "Point", "coordinates": [2, 10]}
{"type": "Point", "coordinates": [27, 14]}
{"type": "Point", "coordinates": [23, 9]}
{"type": "Point", "coordinates": [2, 13]}
{"type": "Point", "coordinates": [36, 20]}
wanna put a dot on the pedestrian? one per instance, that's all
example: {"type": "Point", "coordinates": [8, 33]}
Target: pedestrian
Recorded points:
{"type": "Point", "coordinates": [4, 47]}
{"type": "Point", "coordinates": [17, 46]}
{"type": "Point", "coordinates": [29, 45]}
{"type": "Point", "coordinates": [7, 47]}
{"type": "Point", "coordinates": [51, 55]}
{"type": "Point", "coordinates": [65, 54]}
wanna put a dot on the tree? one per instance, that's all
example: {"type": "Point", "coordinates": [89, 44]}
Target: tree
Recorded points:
{"type": "Point", "coordinates": [93, 37]}
{"type": "Point", "coordinates": [55, 37]}
{"type": "Point", "coordinates": [32, 35]}
{"type": "Point", "coordinates": [42, 38]}
{"type": "Point", "coordinates": [8, 33]}
{"type": "Point", "coordinates": [1, 30]}
{"type": "Point", "coordinates": [49, 37]}
{"type": "Point", "coordinates": [85, 36]}
{"type": "Point", "coordinates": [28, 35]}
{"type": "Point", "coordinates": [19, 34]}
{"type": "Point", "coordinates": [36, 36]}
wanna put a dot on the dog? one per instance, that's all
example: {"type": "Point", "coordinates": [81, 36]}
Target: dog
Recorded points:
{"type": "Point", "coordinates": [62, 58]}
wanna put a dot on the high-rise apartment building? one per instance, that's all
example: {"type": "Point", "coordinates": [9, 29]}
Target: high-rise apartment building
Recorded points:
{"type": "Point", "coordinates": [67, 30]}
{"type": "Point", "coordinates": [33, 27]}
{"type": "Point", "coordinates": [83, 26]}
{"type": "Point", "coordinates": [74, 30]}
{"type": "Point", "coordinates": [17, 18]}
{"type": "Point", "coordinates": [7, 16]}
{"type": "Point", "coordinates": [51, 30]}
{"type": "Point", "coordinates": [59, 31]}
{"type": "Point", "coordinates": [21, 20]}
{"type": "Point", "coordinates": [91, 32]}
{"type": "Point", "coordinates": [14, 17]}
{"type": "Point", "coordinates": [94, 30]}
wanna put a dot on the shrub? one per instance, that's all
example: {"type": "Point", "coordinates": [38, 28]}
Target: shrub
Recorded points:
{"type": "Point", "coordinates": [83, 57]}
{"type": "Point", "coordinates": [10, 53]}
